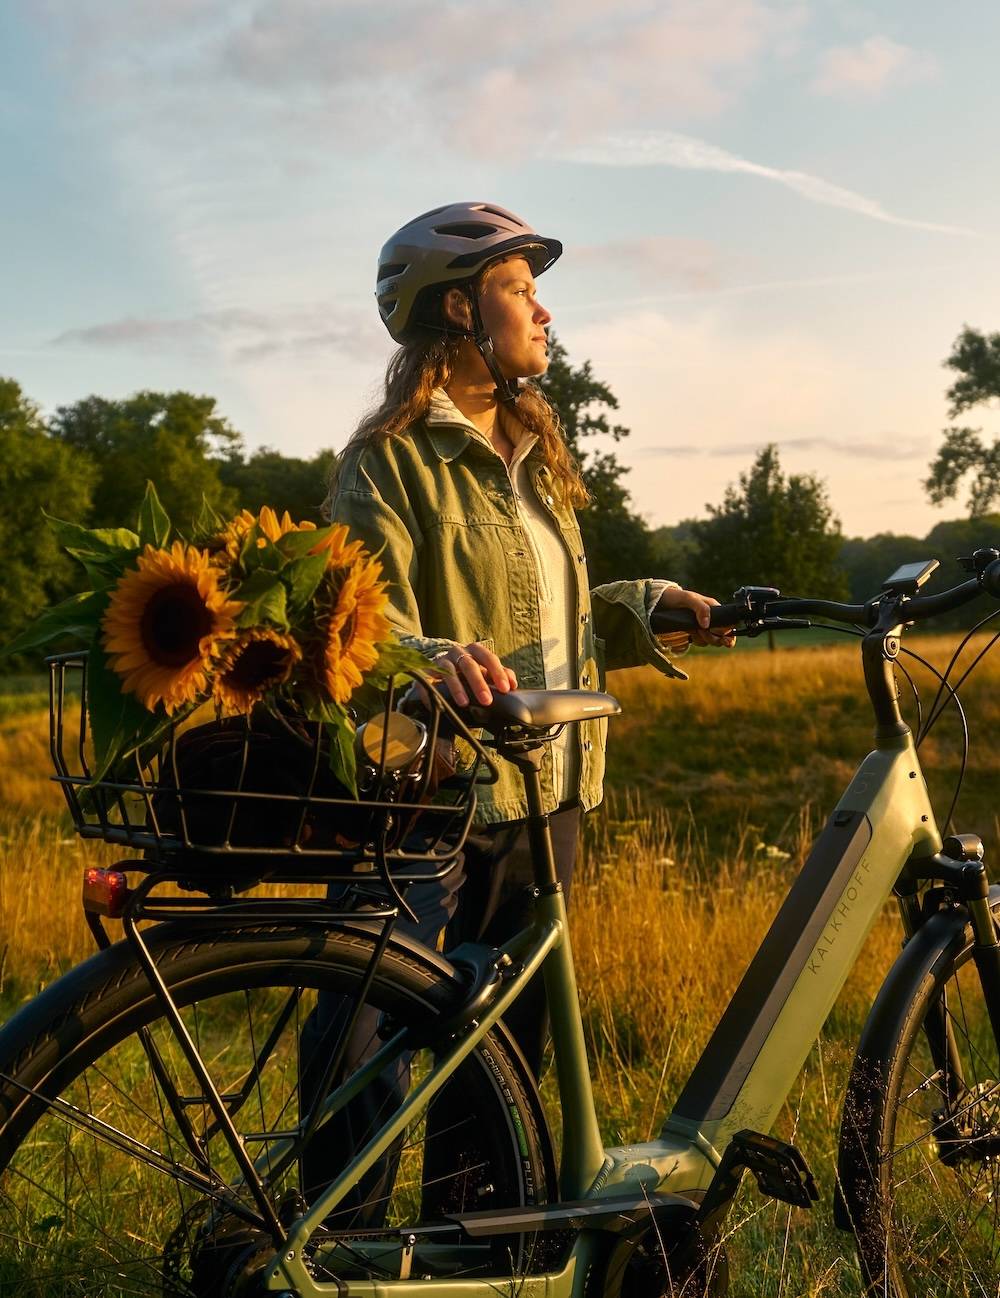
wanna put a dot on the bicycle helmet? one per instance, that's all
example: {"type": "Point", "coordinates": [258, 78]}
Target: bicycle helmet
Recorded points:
{"type": "Point", "coordinates": [445, 247]}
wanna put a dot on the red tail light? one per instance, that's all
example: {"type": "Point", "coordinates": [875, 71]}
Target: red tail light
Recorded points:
{"type": "Point", "coordinates": [105, 892]}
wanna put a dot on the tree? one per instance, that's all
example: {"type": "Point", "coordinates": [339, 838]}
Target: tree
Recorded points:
{"type": "Point", "coordinates": [867, 562]}
{"type": "Point", "coordinates": [616, 539]}
{"type": "Point", "coordinates": [281, 481]}
{"type": "Point", "coordinates": [674, 550]}
{"type": "Point", "coordinates": [976, 358]}
{"type": "Point", "coordinates": [770, 531]}
{"type": "Point", "coordinates": [175, 439]}
{"type": "Point", "coordinates": [38, 473]}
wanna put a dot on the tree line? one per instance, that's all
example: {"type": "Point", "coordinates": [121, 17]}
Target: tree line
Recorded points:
{"type": "Point", "coordinates": [89, 461]}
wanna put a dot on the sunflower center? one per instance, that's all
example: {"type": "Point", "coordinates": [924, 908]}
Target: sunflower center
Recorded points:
{"type": "Point", "coordinates": [173, 623]}
{"type": "Point", "coordinates": [260, 661]}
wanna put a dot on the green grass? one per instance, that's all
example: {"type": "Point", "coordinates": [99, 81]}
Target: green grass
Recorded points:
{"type": "Point", "coordinates": [716, 788]}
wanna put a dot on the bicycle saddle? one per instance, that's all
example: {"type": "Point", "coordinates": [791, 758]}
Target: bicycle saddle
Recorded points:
{"type": "Point", "coordinates": [545, 708]}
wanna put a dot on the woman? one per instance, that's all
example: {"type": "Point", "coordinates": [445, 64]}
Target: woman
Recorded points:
{"type": "Point", "coordinates": [462, 481]}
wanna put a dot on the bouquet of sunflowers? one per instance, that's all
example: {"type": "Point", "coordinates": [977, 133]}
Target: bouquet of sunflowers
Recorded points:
{"type": "Point", "coordinates": [246, 613]}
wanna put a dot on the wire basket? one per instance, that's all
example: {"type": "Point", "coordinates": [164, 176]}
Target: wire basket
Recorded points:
{"type": "Point", "coordinates": [244, 799]}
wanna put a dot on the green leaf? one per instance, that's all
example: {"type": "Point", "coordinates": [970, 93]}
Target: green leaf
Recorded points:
{"type": "Point", "coordinates": [343, 762]}
{"type": "Point", "coordinates": [208, 523]}
{"type": "Point", "coordinates": [266, 600]}
{"type": "Point", "coordinates": [293, 545]}
{"type": "Point", "coordinates": [101, 542]}
{"type": "Point", "coordinates": [79, 615]}
{"type": "Point", "coordinates": [116, 718]}
{"type": "Point", "coordinates": [303, 576]}
{"type": "Point", "coordinates": [154, 524]}
{"type": "Point", "coordinates": [395, 659]}
{"type": "Point", "coordinates": [258, 552]}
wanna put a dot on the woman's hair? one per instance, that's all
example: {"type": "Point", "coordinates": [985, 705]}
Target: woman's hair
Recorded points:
{"type": "Point", "coordinates": [418, 367]}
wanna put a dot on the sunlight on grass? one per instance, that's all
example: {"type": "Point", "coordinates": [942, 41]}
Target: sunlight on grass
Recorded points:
{"type": "Point", "coordinates": [716, 788]}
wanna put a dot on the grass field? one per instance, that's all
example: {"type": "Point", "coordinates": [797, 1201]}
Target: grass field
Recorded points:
{"type": "Point", "coordinates": [715, 789]}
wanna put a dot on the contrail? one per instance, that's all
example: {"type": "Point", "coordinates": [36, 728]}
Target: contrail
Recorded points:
{"type": "Point", "coordinates": [669, 149]}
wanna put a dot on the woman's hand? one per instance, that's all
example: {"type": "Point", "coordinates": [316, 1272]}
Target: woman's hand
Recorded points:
{"type": "Point", "coordinates": [476, 669]}
{"type": "Point", "coordinates": [701, 606]}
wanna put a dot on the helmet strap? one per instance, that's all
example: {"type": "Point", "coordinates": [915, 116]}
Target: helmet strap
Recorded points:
{"type": "Point", "coordinates": [507, 390]}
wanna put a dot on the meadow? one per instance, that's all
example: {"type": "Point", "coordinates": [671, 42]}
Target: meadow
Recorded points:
{"type": "Point", "coordinates": [716, 788]}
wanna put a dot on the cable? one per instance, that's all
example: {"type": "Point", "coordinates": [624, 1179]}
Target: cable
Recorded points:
{"type": "Point", "coordinates": [952, 698]}
{"type": "Point", "coordinates": [935, 710]}
{"type": "Point", "coordinates": [916, 693]}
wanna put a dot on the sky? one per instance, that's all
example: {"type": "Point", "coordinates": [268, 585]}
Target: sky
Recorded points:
{"type": "Point", "coordinates": [777, 214]}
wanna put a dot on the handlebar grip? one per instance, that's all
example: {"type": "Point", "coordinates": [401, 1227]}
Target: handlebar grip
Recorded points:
{"type": "Point", "coordinates": [683, 619]}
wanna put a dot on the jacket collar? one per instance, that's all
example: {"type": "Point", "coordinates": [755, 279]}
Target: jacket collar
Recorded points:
{"type": "Point", "coordinates": [447, 440]}
{"type": "Point", "coordinates": [448, 430]}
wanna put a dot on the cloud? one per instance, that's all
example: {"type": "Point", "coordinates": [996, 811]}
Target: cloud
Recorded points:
{"type": "Point", "coordinates": [491, 71]}
{"type": "Point", "coordinates": [485, 76]}
{"type": "Point", "coordinates": [868, 70]}
{"type": "Point", "coordinates": [671, 149]}
{"type": "Point", "coordinates": [887, 446]}
{"type": "Point", "coordinates": [689, 264]}
{"type": "Point", "coordinates": [243, 335]}
{"type": "Point", "coordinates": [704, 390]}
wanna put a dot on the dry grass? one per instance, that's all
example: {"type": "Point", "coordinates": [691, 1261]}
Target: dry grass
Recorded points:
{"type": "Point", "coordinates": [668, 907]}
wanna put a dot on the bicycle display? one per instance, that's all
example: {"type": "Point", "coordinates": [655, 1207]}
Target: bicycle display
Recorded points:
{"type": "Point", "coordinates": [162, 1106]}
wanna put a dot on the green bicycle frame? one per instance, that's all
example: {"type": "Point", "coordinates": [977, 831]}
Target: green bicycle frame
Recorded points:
{"type": "Point", "coordinates": [747, 1069]}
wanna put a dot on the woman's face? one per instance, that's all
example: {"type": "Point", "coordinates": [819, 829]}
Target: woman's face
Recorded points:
{"type": "Point", "coordinates": [515, 319]}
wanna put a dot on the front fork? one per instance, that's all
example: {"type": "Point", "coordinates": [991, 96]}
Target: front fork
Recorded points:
{"type": "Point", "coordinates": [960, 868]}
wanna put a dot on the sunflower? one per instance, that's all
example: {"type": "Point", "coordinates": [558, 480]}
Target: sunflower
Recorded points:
{"type": "Point", "coordinates": [274, 528]}
{"type": "Point", "coordinates": [226, 547]}
{"type": "Point", "coordinates": [164, 622]}
{"type": "Point", "coordinates": [340, 553]}
{"type": "Point", "coordinates": [351, 625]}
{"type": "Point", "coordinates": [256, 662]}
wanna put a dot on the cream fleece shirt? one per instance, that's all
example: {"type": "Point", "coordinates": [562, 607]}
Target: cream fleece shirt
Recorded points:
{"type": "Point", "coordinates": [554, 574]}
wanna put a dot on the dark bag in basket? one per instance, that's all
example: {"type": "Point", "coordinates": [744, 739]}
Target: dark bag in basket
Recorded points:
{"type": "Point", "coordinates": [279, 775]}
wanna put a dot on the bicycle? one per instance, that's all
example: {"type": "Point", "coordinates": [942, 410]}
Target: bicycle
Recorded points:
{"type": "Point", "coordinates": [153, 1111]}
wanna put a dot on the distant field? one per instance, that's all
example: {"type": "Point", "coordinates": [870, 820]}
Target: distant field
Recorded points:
{"type": "Point", "coordinates": [716, 787]}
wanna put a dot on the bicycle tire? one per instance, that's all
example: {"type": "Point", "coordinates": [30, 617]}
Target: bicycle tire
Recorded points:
{"type": "Point", "coordinates": [919, 1166]}
{"type": "Point", "coordinates": [81, 1216]}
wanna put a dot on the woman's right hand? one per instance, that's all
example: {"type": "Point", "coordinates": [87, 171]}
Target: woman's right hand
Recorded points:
{"type": "Point", "coordinates": [476, 670]}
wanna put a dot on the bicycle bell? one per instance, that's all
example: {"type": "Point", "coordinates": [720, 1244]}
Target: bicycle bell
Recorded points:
{"type": "Point", "coordinates": [390, 745]}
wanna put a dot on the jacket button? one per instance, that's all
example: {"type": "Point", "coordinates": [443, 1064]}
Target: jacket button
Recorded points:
{"type": "Point", "coordinates": [548, 500]}
{"type": "Point", "coordinates": [584, 618]}
{"type": "Point", "coordinates": [580, 558]}
{"type": "Point", "coordinates": [587, 745]}
{"type": "Point", "coordinates": [585, 680]}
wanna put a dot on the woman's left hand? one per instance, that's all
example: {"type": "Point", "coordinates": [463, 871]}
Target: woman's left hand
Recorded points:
{"type": "Point", "coordinates": [701, 606]}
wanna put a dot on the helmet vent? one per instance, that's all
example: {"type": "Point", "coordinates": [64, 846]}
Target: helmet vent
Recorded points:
{"type": "Point", "coordinates": [498, 211]}
{"type": "Point", "coordinates": [390, 269]}
{"type": "Point", "coordinates": [462, 230]}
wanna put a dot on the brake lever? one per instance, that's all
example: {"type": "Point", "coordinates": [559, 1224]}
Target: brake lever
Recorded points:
{"type": "Point", "coordinates": [774, 624]}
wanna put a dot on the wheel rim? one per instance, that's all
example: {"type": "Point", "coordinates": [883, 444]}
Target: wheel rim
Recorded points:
{"type": "Point", "coordinates": [80, 1213]}
{"type": "Point", "coordinates": [940, 1179]}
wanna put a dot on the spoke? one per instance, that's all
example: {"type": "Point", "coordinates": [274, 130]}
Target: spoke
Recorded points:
{"type": "Point", "coordinates": [71, 1211]}
{"type": "Point", "coordinates": [145, 1154]}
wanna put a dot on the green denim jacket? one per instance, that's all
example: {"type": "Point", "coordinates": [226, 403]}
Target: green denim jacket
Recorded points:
{"type": "Point", "coordinates": [438, 507]}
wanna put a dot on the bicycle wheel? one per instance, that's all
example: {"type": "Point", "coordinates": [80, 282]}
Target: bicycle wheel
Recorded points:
{"type": "Point", "coordinates": [920, 1143]}
{"type": "Point", "coordinates": [110, 1197]}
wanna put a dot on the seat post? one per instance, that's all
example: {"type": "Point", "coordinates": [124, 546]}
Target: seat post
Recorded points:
{"type": "Point", "coordinates": [529, 763]}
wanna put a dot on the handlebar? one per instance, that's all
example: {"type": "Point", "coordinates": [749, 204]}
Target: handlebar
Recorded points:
{"type": "Point", "coordinates": [751, 612]}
